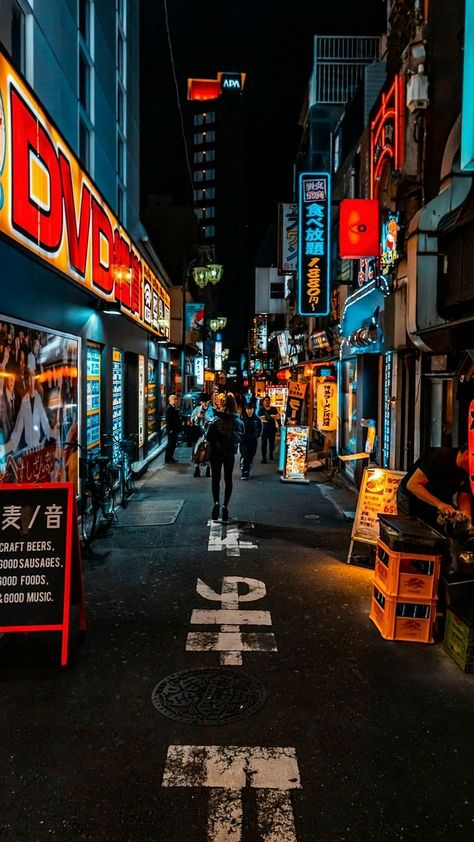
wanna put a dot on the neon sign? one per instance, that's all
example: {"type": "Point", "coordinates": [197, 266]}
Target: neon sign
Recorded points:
{"type": "Point", "coordinates": [49, 206]}
{"type": "Point", "coordinates": [314, 251]}
{"type": "Point", "coordinates": [386, 135]}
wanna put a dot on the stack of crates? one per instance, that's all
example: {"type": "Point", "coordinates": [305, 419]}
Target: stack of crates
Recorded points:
{"type": "Point", "coordinates": [405, 587]}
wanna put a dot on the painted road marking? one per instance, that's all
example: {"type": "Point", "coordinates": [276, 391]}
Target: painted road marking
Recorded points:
{"type": "Point", "coordinates": [226, 771]}
{"type": "Point", "coordinates": [229, 640]}
{"type": "Point", "coordinates": [230, 541]}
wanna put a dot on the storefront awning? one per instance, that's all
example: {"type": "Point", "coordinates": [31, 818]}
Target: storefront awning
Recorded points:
{"type": "Point", "coordinates": [361, 309]}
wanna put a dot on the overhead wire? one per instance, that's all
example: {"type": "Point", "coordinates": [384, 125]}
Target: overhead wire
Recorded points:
{"type": "Point", "coordinates": [180, 110]}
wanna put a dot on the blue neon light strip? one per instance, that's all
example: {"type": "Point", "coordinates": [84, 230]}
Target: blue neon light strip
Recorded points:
{"type": "Point", "coordinates": [467, 130]}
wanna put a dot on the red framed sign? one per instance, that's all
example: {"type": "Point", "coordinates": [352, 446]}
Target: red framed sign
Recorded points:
{"type": "Point", "coordinates": [40, 561]}
{"type": "Point", "coordinates": [470, 444]}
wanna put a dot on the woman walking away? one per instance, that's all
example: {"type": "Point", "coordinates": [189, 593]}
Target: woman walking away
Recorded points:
{"type": "Point", "coordinates": [248, 445]}
{"type": "Point", "coordinates": [224, 434]}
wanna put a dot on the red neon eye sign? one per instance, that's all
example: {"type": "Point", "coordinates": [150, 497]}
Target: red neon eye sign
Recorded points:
{"type": "Point", "coordinates": [359, 228]}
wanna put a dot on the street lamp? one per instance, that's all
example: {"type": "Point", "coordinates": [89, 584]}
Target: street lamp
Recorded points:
{"type": "Point", "coordinates": [204, 270]}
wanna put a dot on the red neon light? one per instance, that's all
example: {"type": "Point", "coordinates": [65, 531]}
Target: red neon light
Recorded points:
{"type": "Point", "coordinates": [387, 134]}
{"type": "Point", "coordinates": [204, 89]}
{"type": "Point", "coordinates": [470, 428]}
{"type": "Point", "coordinates": [359, 225]}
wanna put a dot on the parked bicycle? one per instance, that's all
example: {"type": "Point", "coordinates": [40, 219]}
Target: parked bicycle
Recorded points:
{"type": "Point", "coordinates": [122, 467]}
{"type": "Point", "coordinates": [97, 491]}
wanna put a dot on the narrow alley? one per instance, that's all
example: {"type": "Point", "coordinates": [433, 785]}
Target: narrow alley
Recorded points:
{"type": "Point", "coordinates": [231, 686]}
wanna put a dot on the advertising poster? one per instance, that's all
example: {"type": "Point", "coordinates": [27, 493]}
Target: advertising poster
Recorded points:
{"type": "Point", "coordinates": [194, 316]}
{"type": "Point", "coordinates": [296, 454]}
{"type": "Point", "coordinates": [38, 405]}
{"type": "Point", "coordinates": [314, 247]}
{"type": "Point", "coordinates": [295, 402]}
{"type": "Point", "coordinates": [377, 496]}
{"type": "Point", "coordinates": [141, 400]}
{"type": "Point", "coordinates": [287, 237]}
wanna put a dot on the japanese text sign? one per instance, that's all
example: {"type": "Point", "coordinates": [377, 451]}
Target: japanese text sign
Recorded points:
{"type": "Point", "coordinates": [295, 402]}
{"type": "Point", "coordinates": [471, 445]}
{"type": "Point", "coordinates": [326, 397]}
{"type": "Point", "coordinates": [287, 237]}
{"type": "Point", "coordinates": [38, 542]}
{"type": "Point", "coordinates": [314, 247]}
{"type": "Point", "coordinates": [377, 496]}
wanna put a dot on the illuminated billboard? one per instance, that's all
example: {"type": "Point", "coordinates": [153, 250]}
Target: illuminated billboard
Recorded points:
{"type": "Point", "coordinates": [49, 206]}
{"type": "Point", "coordinates": [314, 246]}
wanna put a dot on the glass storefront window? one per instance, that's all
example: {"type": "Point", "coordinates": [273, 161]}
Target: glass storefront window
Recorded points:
{"type": "Point", "coordinates": [349, 406]}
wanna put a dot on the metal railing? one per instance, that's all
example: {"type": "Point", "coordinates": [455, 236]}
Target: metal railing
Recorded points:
{"type": "Point", "coordinates": [339, 66]}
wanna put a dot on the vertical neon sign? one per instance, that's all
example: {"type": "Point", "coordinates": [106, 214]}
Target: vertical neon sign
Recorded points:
{"type": "Point", "coordinates": [314, 245]}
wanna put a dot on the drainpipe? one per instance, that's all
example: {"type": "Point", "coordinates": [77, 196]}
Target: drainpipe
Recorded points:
{"type": "Point", "coordinates": [422, 243]}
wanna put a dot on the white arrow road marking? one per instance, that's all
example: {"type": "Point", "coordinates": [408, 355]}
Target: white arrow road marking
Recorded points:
{"type": "Point", "coordinates": [230, 542]}
{"type": "Point", "coordinates": [229, 641]}
{"type": "Point", "coordinates": [226, 770]}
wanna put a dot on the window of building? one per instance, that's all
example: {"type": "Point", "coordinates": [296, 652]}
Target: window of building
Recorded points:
{"type": "Point", "coordinates": [22, 38]}
{"type": "Point", "coordinates": [209, 117]}
{"type": "Point", "coordinates": [198, 119]}
{"type": "Point", "coordinates": [85, 20]}
{"type": "Point", "coordinates": [209, 231]}
{"type": "Point", "coordinates": [84, 144]}
{"type": "Point", "coordinates": [210, 175]}
{"type": "Point", "coordinates": [198, 138]}
{"type": "Point", "coordinates": [204, 193]}
{"type": "Point", "coordinates": [209, 137]}
{"type": "Point", "coordinates": [209, 212]}
{"type": "Point", "coordinates": [198, 213]}
{"type": "Point", "coordinates": [84, 82]}
{"type": "Point", "coordinates": [199, 175]}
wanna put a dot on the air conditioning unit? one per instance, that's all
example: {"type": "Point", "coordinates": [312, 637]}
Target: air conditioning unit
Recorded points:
{"type": "Point", "coordinates": [417, 92]}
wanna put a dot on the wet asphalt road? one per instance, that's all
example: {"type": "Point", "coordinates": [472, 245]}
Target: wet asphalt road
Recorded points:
{"type": "Point", "coordinates": [380, 733]}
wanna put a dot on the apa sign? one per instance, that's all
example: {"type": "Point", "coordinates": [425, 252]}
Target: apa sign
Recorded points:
{"type": "Point", "coordinates": [49, 206]}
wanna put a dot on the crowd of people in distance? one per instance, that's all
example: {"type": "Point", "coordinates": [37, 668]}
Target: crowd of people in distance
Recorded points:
{"type": "Point", "coordinates": [229, 423]}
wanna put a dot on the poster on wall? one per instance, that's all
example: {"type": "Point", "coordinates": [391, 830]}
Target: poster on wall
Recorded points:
{"type": "Point", "coordinates": [38, 404]}
{"type": "Point", "coordinates": [326, 398]}
{"type": "Point", "coordinates": [295, 402]}
{"type": "Point", "coordinates": [296, 454]}
{"type": "Point", "coordinates": [141, 400]}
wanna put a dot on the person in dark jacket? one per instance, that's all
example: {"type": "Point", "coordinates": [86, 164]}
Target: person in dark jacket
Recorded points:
{"type": "Point", "coordinates": [173, 426]}
{"type": "Point", "coordinates": [437, 484]}
{"type": "Point", "coordinates": [248, 445]}
{"type": "Point", "coordinates": [224, 434]}
{"type": "Point", "coordinates": [269, 416]}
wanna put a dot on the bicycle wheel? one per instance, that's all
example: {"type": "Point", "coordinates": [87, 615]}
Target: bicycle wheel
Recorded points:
{"type": "Point", "coordinates": [108, 498]}
{"type": "Point", "coordinates": [88, 515]}
{"type": "Point", "coordinates": [119, 486]}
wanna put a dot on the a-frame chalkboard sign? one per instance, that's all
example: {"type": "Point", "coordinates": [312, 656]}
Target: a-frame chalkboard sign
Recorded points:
{"type": "Point", "coordinates": [40, 559]}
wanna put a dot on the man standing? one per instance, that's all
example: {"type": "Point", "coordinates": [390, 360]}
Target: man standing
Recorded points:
{"type": "Point", "coordinates": [429, 487]}
{"type": "Point", "coordinates": [173, 426]}
{"type": "Point", "coordinates": [268, 415]}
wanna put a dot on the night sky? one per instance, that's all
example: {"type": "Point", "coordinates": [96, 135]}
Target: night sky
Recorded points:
{"type": "Point", "coordinates": [270, 40]}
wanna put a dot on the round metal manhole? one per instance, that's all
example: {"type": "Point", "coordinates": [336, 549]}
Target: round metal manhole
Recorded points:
{"type": "Point", "coordinates": [208, 696]}
{"type": "Point", "coordinates": [311, 517]}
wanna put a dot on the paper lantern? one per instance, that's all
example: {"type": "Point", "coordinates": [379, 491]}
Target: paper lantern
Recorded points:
{"type": "Point", "coordinates": [359, 228]}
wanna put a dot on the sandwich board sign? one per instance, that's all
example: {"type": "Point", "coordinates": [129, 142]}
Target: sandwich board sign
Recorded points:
{"type": "Point", "coordinates": [377, 496]}
{"type": "Point", "coordinates": [40, 561]}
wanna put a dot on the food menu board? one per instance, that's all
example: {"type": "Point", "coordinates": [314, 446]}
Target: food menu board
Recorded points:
{"type": "Point", "coordinates": [151, 401]}
{"type": "Point", "coordinates": [296, 454]}
{"type": "Point", "coordinates": [117, 399]}
{"type": "Point", "coordinates": [377, 496]}
{"type": "Point", "coordinates": [93, 396]}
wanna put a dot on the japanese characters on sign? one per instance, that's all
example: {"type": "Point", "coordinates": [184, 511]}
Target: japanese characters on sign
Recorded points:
{"type": "Point", "coordinates": [287, 237]}
{"type": "Point", "coordinates": [33, 527]}
{"type": "Point", "coordinates": [387, 135]}
{"type": "Point", "coordinates": [296, 453]}
{"type": "Point", "coordinates": [314, 250]}
{"type": "Point", "coordinates": [295, 402]}
{"type": "Point", "coordinates": [53, 209]}
{"type": "Point", "coordinates": [326, 397]}
{"type": "Point", "coordinates": [377, 496]}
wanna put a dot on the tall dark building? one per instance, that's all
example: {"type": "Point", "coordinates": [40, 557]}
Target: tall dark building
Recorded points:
{"type": "Point", "coordinates": [216, 143]}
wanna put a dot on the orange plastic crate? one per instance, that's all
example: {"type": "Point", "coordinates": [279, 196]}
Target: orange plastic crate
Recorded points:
{"type": "Point", "coordinates": [402, 619]}
{"type": "Point", "coordinates": [410, 575]}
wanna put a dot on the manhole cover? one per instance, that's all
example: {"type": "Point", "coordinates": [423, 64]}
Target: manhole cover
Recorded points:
{"type": "Point", "coordinates": [150, 513]}
{"type": "Point", "coordinates": [311, 517]}
{"type": "Point", "coordinates": [208, 696]}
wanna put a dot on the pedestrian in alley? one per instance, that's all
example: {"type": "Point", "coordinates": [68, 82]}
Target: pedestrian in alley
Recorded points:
{"type": "Point", "coordinates": [173, 426]}
{"type": "Point", "coordinates": [269, 416]}
{"type": "Point", "coordinates": [224, 435]}
{"type": "Point", "coordinates": [248, 445]}
{"type": "Point", "coordinates": [200, 419]}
